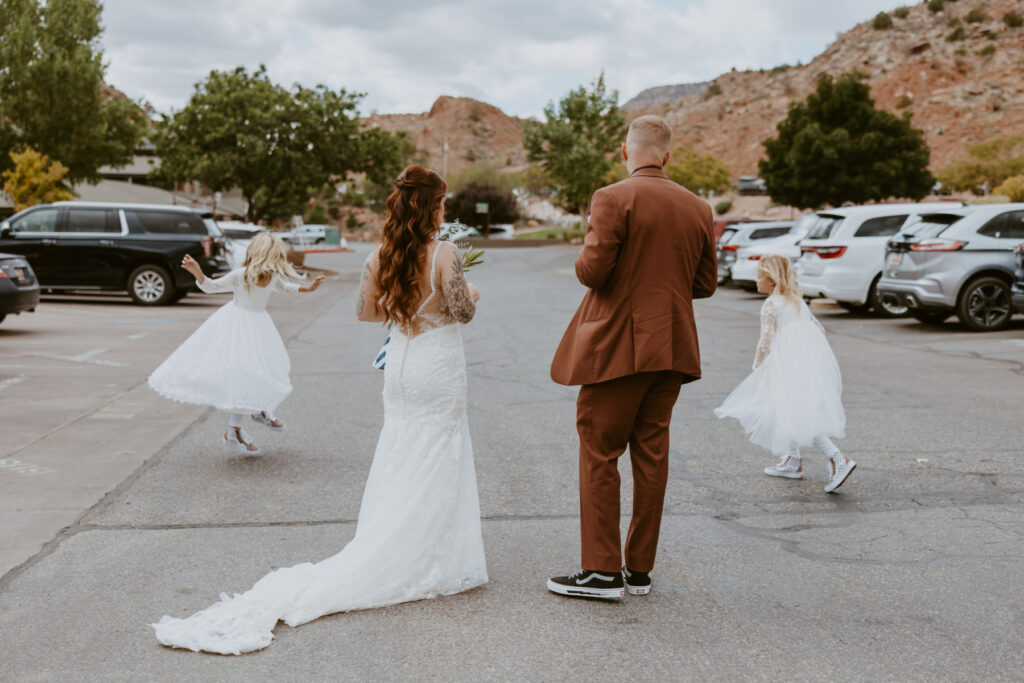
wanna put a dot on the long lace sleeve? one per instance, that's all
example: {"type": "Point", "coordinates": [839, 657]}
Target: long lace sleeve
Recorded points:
{"type": "Point", "coordinates": [228, 283]}
{"type": "Point", "coordinates": [769, 316]}
{"type": "Point", "coordinates": [281, 285]}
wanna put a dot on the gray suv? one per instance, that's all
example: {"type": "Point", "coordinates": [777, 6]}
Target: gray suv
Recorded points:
{"type": "Point", "coordinates": [956, 261]}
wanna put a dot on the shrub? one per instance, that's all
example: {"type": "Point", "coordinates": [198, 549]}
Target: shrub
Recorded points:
{"type": "Point", "coordinates": [976, 16]}
{"type": "Point", "coordinates": [723, 206]}
{"type": "Point", "coordinates": [713, 90]}
{"type": "Point", "coordinates": [904, 101]}
{"type": "Point", "coordinates": [988, 50]}
{"type": "Point", "coordinates": [35, 179]}
{"type": "Point", "coordinates": [1013, 20]}
{"type": "Point", "coordinates": [959, 34]}
{"type": "Point", "coordinates": [901, 12]}
{"type": "Point", "coordinates": [1012, 188]}
{"type": "Point", "coordinates": [351, 222]}
{"type": "Point", "coordinates": [317, 215]}
{"type": "Point", "coordinates": [953, 22]}
{"type": "Point", "coordinates": [935, 5]}
{"type": "Point", "coordinates": [882, 21]}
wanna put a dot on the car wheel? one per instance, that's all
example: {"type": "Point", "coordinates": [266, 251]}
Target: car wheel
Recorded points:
{"type": "Point", "coordinates": [320, 240]}
{"type": "Point", "coordinates": [851, 307]}
{"type": "Point", "coordinates": [150, 285]}
{"type": "Point", "coordinates": [984, 305]}
{"type": "Point", "coordinates": [930, 317]}
{"type": "Point", "coordinates": [885, 306]}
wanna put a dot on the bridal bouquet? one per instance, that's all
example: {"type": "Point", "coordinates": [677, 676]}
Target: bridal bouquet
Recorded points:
{"type": "Point", "coordinates": [470, 257]}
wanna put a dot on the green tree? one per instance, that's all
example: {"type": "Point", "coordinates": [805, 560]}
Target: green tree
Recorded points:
{"type": "Point", "coordinates": [700, 173]}
{"type": "Point", "coordinates": [52, 95]}
{"type": "Point", "coordinates": [279, 147]}
{"type": "Point", "coordinates": [501, 205]}
{"type": "Point", "coordinates": [835, 147]}
{"type": "Point", "coordinates": [986, 164]}
{"type": "Point", "coordinates": [1013, 188]}
{"type": "Point", "coordinates": [576, 143]}
{"type": "Point", "coordinates": [34, 179]}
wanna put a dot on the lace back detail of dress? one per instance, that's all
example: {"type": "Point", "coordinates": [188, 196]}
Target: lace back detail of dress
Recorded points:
{"type": "Point", "coordinates": [433, 310]}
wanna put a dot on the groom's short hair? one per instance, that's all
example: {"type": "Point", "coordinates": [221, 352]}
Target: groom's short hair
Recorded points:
{"type": "Point", "coordinates": [650, 133]}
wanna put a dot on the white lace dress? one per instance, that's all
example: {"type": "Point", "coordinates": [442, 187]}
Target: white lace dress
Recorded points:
{"type": "Point", "coordinates": [418, 534]}
{"type": "Point", "coordinates": [236, 360]}
{"type": "Point", "coordinates": [795, 391]}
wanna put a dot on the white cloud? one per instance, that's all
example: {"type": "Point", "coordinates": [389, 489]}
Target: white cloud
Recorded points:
{"type": "Point", "coordinates": [517, 55]}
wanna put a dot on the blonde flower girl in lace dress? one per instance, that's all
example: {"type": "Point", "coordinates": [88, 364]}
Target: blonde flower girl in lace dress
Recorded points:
{"type": "Point", "coordinates": [236, 361]}
{"type": "Point", "coordinates": [793, 397]}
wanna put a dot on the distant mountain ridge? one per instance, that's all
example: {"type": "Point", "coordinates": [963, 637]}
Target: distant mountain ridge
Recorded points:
{"type": "Point", "coordinates": [661, 95]}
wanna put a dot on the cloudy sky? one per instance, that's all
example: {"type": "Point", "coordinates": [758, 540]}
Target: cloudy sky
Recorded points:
{"type": "Point", "coordinates": [515, 54]}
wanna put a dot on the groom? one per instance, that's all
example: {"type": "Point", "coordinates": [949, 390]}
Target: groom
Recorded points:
{"type": "Point", "coordinates": [649, 251]}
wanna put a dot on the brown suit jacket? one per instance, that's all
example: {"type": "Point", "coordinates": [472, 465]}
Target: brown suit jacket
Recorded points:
{"type": "Point", "coordinates": [649, 251]}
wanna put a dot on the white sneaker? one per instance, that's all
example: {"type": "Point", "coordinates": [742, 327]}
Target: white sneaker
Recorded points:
{"type": "Point", "coordinates": [840, 471]}
{"type": "Point", "coordinates": [238, 440]}
{"type": "Point", "coordinates": [266, 421]}
{"type": "Point", "coordinates": [789, 467]}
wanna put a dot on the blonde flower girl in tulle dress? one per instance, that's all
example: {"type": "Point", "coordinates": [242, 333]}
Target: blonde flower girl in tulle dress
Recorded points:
{"type": "Point", "coordinates": [793, 397]}
{"type": "Point", "coordinates": [236, 361]}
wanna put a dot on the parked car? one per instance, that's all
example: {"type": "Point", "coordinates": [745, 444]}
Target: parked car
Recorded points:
{"type": "Point", "coordinates": [723, 224]}
{"type": "Point", "coordinates": [743, 271]}
{"type": "Point", "coordinates": [19, 290]}
{"type": "Point", "coordinates": [748, 184]}
{"type": "Point", "coordinates": [237, 236]}
{"type": "Point", "coordinates": [959, 261]}
{"type": "Point", "coordinates": [844, 251]}
{"type": "Point", "coordinates": [1017, 291]}
{"type": "Point", "coordinates": [738, 236]}
{"type": "Point", "coordinates": [115, 247]}
{"type": "Point", "coordinates": [305, 235]}
{"type": "Point", "coordinates": [499, 231]}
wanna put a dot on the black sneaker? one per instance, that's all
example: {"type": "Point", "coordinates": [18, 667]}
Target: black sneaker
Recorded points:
{"type": "Point", "coordinates": [637, 583]}
{"type": "Point", "coordinates": [588, 584]}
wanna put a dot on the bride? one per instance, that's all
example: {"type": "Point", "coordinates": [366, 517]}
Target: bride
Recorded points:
{"type": "Point", "coordinates": [418, 534]}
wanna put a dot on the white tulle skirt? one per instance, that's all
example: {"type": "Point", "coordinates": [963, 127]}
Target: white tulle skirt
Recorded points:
{"type": "Point", "coordinates": [794, 395]}
{"type": "Point", "coordinates": [235, 361]}
{"type": "Point", "coordinates": [418, 534]}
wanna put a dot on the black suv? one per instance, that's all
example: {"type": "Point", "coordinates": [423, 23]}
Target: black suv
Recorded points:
{"type": "Point", "coordinates": [115, 247]}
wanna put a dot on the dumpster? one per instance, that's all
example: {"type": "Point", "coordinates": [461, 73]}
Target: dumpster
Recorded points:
{"type": "Point", "coordinates": [332, 237]}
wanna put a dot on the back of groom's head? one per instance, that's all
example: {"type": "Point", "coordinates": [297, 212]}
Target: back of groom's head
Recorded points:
{"type": "Point", "coordinates": [648, 134]}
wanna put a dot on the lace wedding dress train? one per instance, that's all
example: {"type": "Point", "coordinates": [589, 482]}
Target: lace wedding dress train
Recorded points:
{"type": "Point", "coordinates": [418, 534]}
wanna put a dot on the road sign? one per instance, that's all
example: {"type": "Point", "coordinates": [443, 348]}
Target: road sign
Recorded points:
{"type": "Point", "coordinates": [482, 207]}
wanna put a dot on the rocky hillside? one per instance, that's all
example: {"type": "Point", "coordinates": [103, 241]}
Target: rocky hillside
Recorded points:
{"type": "Point", "coordinates": [476, 133]}
{"type": "Point", "coordinates": [959, 79]}
{"type": "Point", "coordinates": [665, 95]}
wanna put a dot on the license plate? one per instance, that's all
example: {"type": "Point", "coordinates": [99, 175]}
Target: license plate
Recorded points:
{"type": "Point", "coordinates": [896, 259]}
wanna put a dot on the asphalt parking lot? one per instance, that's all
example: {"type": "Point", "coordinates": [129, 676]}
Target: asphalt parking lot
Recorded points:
{"type": "Point", "coordinates": [119, 507]}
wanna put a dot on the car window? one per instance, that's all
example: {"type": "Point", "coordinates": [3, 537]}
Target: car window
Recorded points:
{"type": "Point", "coordinates": [91, 220]}
{"type": "Point", "coordinates": [930, 225]}
{"type": "Point", "coordinates": [883, 226]}
{"type": "Point", "coordinates": [40, 220]}
{"type": "Point", "coordinates": [823, 227]}
{"type": "Point", "coordinates": [167, 222]}
{"type": "Point", "coordinates": [763, 233]}
{"type": "Point", "coordinates": [726, 235]}
{"type": "Point", "coordinates": [1008, 225]}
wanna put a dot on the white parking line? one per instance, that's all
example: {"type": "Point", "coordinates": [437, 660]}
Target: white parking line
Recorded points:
{"type": "Point", "coordinates": [20, 467]}
{"type": "Point", "coordinates": [11, 381]}
{"type": "Point", "coordinates": [86, 357]}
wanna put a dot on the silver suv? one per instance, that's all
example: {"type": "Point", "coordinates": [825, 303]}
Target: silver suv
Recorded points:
{"type": "Point", "coordinates": [956, 261]}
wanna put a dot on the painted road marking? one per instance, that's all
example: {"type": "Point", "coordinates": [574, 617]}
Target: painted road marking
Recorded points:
{"type": "Point", "coordinates": [20, 467]}
{"type": "Point", "coordinates": [11, 381]}
{"type": "Point", "coordinates": [139, 335]}
{"type": "Point", "coordinates": [86, 357]}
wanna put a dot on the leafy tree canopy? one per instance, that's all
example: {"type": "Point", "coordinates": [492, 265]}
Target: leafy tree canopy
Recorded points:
{"type": "Point", "coordinates": [986, 164]}
{"type": "Point", "coordinates": [34, 179]}
{"type": "Point", "coordinates": [51, 88]}
{"type": "Point", "coordinates": [835, 147]}
{"type": "Point", "coordinates": [700, 173]}
{"type": "Point", "coordinates": [576, 142]}
{"type": "Point", "coordinates": [279, 146]}
{"type": "Point", "coordinates": [462, 207]}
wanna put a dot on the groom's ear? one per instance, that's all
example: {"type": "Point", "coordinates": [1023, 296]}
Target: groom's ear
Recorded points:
{"type": "Point", "coordinates": [625, 154]}
{"type": "Point", "coordinates": [664, 161]}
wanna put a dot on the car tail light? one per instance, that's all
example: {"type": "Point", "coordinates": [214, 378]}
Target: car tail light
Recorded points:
{"type": "Point", "coordinates": [938, 245]}
{"type": "Point", "coordinates": [825, 252]}
{"type": "Point", "coordinates": [208, 247]}
{"type": "Point", "coordinates": [730, 247]}
{"type": "Point", "coordinates": [754, 257]}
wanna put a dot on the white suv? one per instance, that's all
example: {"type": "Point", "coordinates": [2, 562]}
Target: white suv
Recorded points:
{"type": "Point", "coordinates": [844, 251]}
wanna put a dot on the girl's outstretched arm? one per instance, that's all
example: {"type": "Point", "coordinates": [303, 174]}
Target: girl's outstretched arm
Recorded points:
{"type": "Point", "coordinates": [769, 314]}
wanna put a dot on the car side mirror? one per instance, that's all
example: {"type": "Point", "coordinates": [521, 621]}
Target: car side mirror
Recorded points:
{"type": "Point", "coordinates": [5, 230]}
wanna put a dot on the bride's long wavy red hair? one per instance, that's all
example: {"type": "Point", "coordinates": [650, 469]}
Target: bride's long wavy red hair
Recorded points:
{"type": "Point", "coordinates": [413, 218]}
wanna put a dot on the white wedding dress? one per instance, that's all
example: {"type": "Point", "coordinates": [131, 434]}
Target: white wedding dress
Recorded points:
{"type": "Point", "coordinates": [418, 534]}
